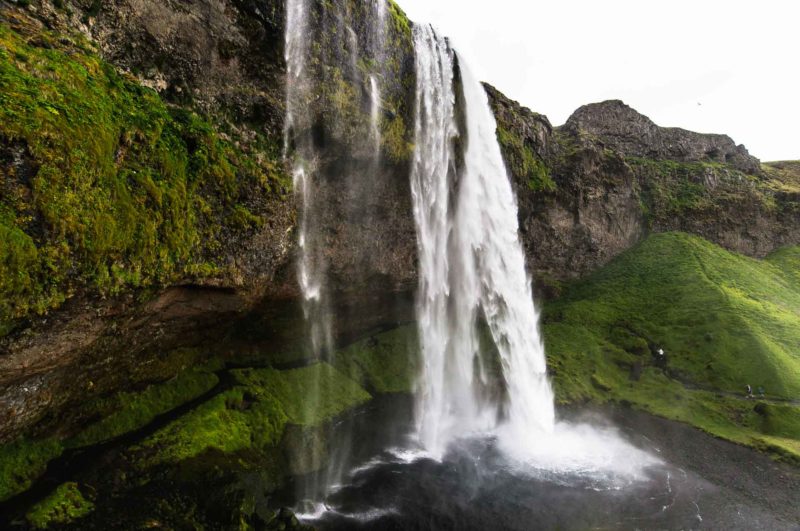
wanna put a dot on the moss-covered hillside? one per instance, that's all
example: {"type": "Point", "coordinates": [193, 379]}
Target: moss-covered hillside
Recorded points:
{"type": "Point", "coordinates": [104, 186]}
{"type": "Point", "coordinates": [724, 321]}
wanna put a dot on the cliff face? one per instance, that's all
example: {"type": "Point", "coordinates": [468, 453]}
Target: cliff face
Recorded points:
{"type": "Point", "coordinates": [105, 289]}
{"type": "Point", "coordinates": [597, 185]}
{"type": "Point", "coordinates": [146, 206]}
{"type": "Point", "coordinates": [626, 131]}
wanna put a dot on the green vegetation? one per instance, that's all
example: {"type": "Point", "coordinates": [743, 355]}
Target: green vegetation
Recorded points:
{"type": "Point", "coordinates": [384, 363]}
{"type": "Point", "coordinates": [127, 412]}
{"type": "Point", "coordinates": [115, 189]}
{"type": "Point", "coordinates": [23, 461]}
{"type": "Point", "coordinates": [724, 320]}
{"type": "Point", "coordinates": [308, 396]}
{"type": "Point", "coordinates": [788, 261]}
{"type": "Point", "coordinates": [524, 163]}
{"type": "Point", "coordinates": [66, 504]}
{"type": "Point", "coordinates": [401, 23]}
{"type": "Point", "coordinates": [253, 415]}
{"type": "Point", "coordinates": [232, 421]}
{"type": "Point", "coordinates": [783, 176]}
{"type": "Point", "coordinates": [673, 189]}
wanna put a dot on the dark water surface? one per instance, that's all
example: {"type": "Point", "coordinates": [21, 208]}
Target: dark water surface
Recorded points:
{"type": "Point", "coordinates": [700, 483]}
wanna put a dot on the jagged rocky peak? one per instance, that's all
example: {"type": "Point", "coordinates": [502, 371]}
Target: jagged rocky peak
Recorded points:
{"type": "Point", "coordinates": [626, 130]}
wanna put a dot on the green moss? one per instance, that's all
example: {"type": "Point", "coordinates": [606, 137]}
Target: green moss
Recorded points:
{"type": "Point", "coordinates": [384, 363]}
{"type": "Point", "coordinates": [724, 320]}
{"type": "Point", "coordinates": [308, 396]}
{"type": "Point", "coordinates": [524, 163]}
{"type": "Point", "coordinates": [401, 23]}
{"type": "Point", "coordinates": [394, 138]}
{"type": "Point", "coordinates": [65, 505]}
{"type": "Point", "coordinates": [232, 421]}
{"type": "Point", "coordinates": [127, 412]}
{"type": "Point", "coordinates": [783, 176]}
{"type": "Point", "coordinates": [125, 191]}
{"type": "Point", "coordinates": [252, 416]}
{"type": "Point", "coordinates": [23, 461]}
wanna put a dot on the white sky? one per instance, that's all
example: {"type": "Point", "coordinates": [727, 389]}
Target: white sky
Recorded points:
{"type": "Point", "coordinates": [714, 66]}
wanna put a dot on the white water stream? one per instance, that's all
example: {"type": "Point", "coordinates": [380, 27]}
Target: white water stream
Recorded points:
{"type": "Point", "coordinates": [471, 264]}
{"type": "Point", "coordinates": [472, 269]}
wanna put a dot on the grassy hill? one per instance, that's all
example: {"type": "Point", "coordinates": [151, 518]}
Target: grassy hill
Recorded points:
{"type": "Point", "coordinates": [723, 320]}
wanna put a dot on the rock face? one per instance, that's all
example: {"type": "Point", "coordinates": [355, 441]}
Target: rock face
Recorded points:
{"type": "Point", "coordinates": [222, 61]}
{"type": "Point", "coordinates": [610, 176]}
{"type": "Point", "coordinates": [626, 131]}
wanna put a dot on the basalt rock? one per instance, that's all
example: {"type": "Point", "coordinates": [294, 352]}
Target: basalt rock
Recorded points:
{"type": "Point", "coordinates": [623, 129]}
{"type": "Point", "coordinates": [610, 176]}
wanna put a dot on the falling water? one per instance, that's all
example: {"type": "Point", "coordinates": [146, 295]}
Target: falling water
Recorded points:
{"type": "Point", "coordinates": [311, 268]}
{"type": "Point", "coordinates": [379, 52]}
{"type": "Point", "coordinates": [320, 43]}
{"type": "Point", "coordinates": [374, 111]}
{"type": "Point", "coordinates": [472, 266]}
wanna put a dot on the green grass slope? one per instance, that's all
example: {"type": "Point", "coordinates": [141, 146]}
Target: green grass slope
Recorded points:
{"type": "Point", "coordinates": [724, 321]}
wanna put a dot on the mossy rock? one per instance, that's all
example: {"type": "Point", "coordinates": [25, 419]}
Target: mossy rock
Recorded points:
{"type": "Point", "coordinates": [253, 414]}
{"type": "Point", "coordinates": [105, 186]}
{"type": "Point", "coordinates": [65, 505]}
{"type": "Point", "coordinates": [383, 363]}
{"type": "Point", "coordinates": [22, 461]}
{"type": "Point", "coordinates": [524, 163]}
{"type": "Point", "coordinates": [127, 412]}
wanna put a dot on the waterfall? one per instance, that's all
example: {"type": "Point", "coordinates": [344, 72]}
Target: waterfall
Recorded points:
{"type": "Point", "coordinates": [311, 268]}
{"type": "Point", "coordinates": [322, 50]}
{"type": "Point", "coordinates": [379, 51]}
{"type": "Point", "coordinates": [471, 264]}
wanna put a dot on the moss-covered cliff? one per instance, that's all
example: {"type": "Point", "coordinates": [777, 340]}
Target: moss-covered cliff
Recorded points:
{"type": "Point", "coordinates": [146, 205]}
{"type": "Point", "coordinates": [106, 187]}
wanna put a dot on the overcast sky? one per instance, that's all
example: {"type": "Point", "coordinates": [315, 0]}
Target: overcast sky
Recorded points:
{"type": "Point", "coordinates": [714, 66]}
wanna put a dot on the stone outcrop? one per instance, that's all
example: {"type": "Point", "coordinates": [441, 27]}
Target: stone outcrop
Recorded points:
{"type": "Point", "coordinates": [627, 131]}
{"type": "Point", "coordinates": [613, 176]}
